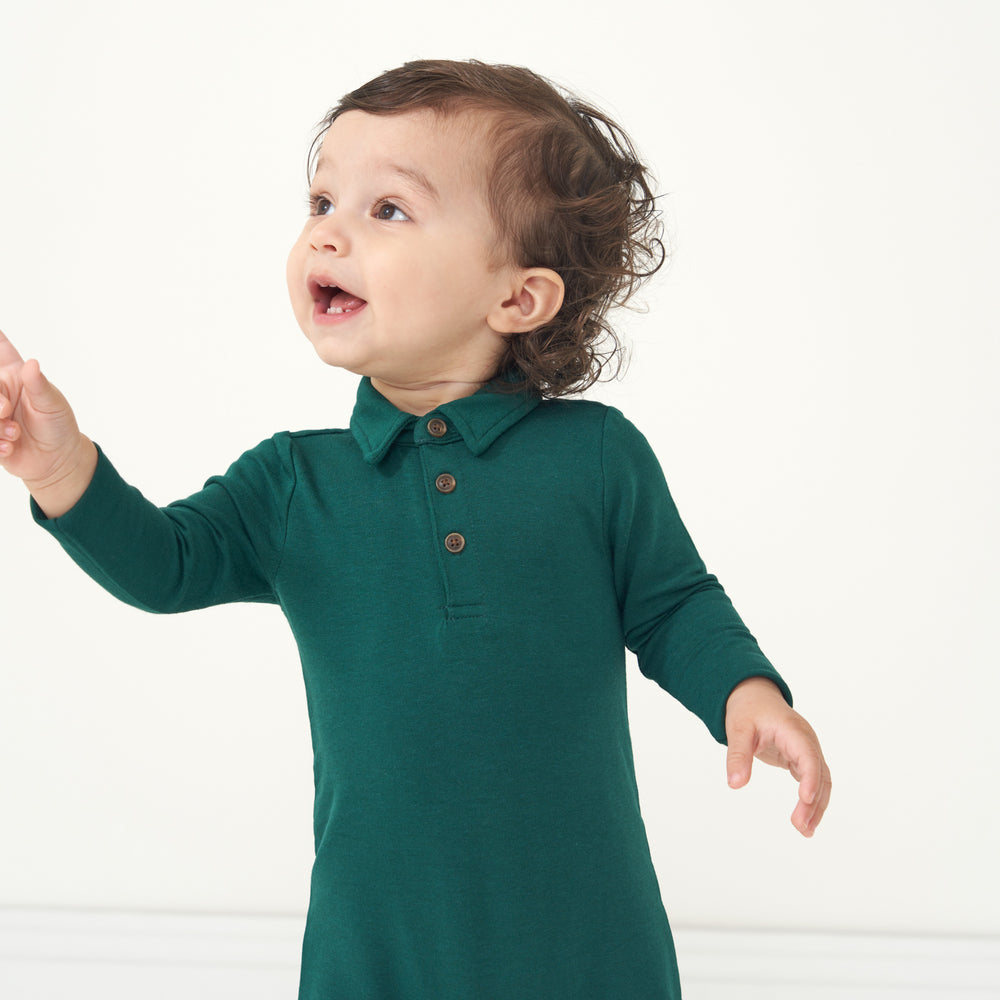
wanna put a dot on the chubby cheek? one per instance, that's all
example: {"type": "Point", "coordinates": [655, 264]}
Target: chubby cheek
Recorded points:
{"type": "Point", "coordinates": [440, 280]}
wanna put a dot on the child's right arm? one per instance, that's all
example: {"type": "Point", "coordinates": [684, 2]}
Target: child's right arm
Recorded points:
{"type": "Point", "coordinates": [40, 442]}
{"type": "Point", "coordinates": [219, 545]}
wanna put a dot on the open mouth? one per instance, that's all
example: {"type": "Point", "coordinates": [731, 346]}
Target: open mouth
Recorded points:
{"type": "Point", "coordinates": [333, 299]}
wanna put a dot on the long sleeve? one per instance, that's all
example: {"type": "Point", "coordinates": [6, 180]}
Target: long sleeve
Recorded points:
{"type": "Point", "coordinates": [676, 616]}
{"type": "Point", "coordinates": [221, 545]}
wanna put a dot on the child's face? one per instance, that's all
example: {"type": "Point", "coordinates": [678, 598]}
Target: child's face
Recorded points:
{"type": "Point", "coordinates": [391, 276]}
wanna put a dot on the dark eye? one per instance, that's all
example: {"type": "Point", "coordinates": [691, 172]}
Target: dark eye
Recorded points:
{"type": "Point", "coordinates": [388, 212]}
{"type": "Point", "coordinates": [320, 205]}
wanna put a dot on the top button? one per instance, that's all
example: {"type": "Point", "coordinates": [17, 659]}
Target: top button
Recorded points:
{"type": "Point", "coordinates": [437, 427]}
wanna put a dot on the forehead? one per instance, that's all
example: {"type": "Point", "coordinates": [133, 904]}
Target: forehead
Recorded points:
{"type": "Point", "coordinates": [444, 152]}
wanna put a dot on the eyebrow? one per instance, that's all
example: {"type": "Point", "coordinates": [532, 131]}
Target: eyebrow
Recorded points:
{"type": "Point", "coordinates": [412, 174]}
{"type": "Point", "coordinates": [417, 177]}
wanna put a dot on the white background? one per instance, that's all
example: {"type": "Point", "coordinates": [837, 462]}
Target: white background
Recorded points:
{"type": "Point", "coordinates": [817, 372]}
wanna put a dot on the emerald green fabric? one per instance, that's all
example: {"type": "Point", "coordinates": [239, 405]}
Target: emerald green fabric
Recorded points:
{"type": "Point", "coordinates": [477, 822]}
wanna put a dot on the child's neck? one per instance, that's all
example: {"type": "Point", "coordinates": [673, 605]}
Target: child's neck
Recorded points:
{"type": "Point", "coordinates": [421, 399]}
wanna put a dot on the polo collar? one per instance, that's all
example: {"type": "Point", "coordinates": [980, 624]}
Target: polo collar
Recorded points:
{"type": "Point", "coordinates": [480, 419]}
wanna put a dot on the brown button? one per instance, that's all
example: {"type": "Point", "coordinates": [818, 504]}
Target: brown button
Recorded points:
{"type": "Point", "coordinates": [454, 542]}
{"type": "Point", "coordinates": [437, 427]}
{"type": "Point", "coordinates": [445, 483]}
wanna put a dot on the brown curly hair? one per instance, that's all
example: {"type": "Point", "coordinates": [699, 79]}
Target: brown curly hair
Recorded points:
{"type": "Point", "coordinates": [566, 191]}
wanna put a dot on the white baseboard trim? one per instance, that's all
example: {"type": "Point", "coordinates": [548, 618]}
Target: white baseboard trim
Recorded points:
{"type": "Point", "coordinates": [53, 954]}
{"type": "Point", "coordinates": [782, 965]}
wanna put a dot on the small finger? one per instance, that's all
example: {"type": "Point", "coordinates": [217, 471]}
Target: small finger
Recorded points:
{"type": "Point", "coordinates": [808, 773]}
{"type": "Point", "coordinates": [739, 759]}
{"type": "Point", "coordinates": [9, 433]}
{"type": "Point", "coordinates": [32, 377]}
{"type": "Point", "coordinates": [801, 820]}
{"type": "Point", "coordinates": [807, 815]}
{"type": "Point", "coordinates": [41, 393]}
{"type": "Point", "coordinates": [805, 761]}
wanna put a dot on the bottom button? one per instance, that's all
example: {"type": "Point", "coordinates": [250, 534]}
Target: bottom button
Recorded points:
{"type": "Point", "coordinates": [454, 542]}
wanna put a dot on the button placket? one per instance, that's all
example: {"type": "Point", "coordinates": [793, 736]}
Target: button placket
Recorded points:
{"type": "Point", "coordinates": [446, 466]}
{"type": "Point", "coordinates": [454, 541]}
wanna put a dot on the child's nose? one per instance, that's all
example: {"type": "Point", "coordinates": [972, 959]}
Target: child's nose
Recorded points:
{"type": "Point", "coordinates": [329, 235]}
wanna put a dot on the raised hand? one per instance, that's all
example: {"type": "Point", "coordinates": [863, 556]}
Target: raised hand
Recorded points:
{"type": "Point", "coordinates": [39, 438]}
{"type": "Point", "coordinates": [759, 723]}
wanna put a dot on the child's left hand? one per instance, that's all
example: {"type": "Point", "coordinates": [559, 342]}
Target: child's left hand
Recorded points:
{"type": "Point", "coordinates": [760, 723]}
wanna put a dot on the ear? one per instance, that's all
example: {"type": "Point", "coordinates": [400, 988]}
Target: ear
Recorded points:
{"type": "Point", "coordinates": [536, 296]}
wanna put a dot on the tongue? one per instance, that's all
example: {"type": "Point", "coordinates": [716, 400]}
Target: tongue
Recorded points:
{"type": "Point", "coordinates": [344, 302]}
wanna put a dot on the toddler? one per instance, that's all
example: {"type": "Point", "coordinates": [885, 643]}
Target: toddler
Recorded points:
{"type": "Point", "coordinates": [464, 567]}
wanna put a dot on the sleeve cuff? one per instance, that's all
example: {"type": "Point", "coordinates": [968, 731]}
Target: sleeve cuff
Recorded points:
{"type": "Point", "coordinates": [104, 481]}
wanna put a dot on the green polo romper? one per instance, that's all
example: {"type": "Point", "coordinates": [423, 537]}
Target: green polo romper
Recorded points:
{"type": "Point", "coordinates": [462, 588]}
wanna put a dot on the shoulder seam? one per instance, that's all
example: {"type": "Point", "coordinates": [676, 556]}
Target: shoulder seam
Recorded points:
{"type": "Point", "coordinates": [314, 432]}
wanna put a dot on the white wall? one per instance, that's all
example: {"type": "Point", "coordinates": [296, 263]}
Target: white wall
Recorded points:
{"type": "Point", "coordinates": [817, 373]}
